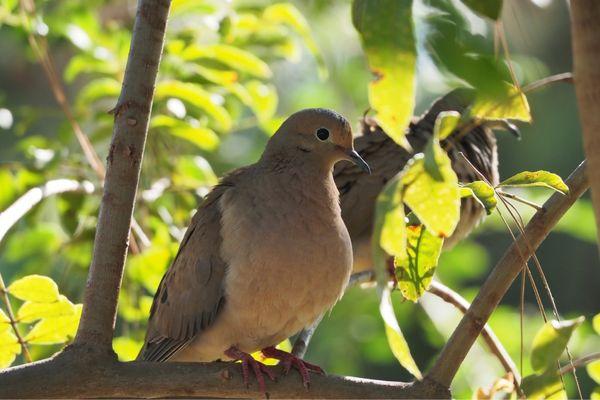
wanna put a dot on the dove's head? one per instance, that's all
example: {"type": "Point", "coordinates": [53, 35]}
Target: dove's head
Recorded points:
{"type": "Point", "coordinates": [316, 135]}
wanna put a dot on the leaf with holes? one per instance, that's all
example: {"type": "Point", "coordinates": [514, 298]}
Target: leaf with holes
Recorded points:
{"type": "Point", "coordinates": [396, 339]}
{"type": "Point", "coordinates": [537, 178]}
{"type": "Point", "coordinates": [482, 192]}
{"type": "Point", "coordinates": [386, 32]}
{"type": "Point", "coordinates": [37, 288]}
{"type": "Point", "coordinates": [550, 342]}
{"type": "Point", "coordinates": [416, 266]}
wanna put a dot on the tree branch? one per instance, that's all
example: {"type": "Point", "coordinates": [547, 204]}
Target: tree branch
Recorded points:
{"type": "Point", "coordinates": [18, 209]}
{"type": "Point", "coordinates": [504, 273]}
{"type": "Point", "coordinates": [585, 35]}
{"type": "Point", "coordinates": [131, 114]}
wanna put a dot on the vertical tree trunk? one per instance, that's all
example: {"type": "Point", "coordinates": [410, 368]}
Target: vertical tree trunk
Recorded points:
{"type": "Point", "coordinates": [122, 174]}
{"type": "Point", "coordinates": [585, 31]}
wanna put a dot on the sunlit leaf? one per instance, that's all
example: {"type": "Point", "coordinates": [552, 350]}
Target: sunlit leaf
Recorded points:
{"type": "Point", "coordinates": [202, 137]}
{"type": "Point", "coordinates": [218, 76]}
{"type": "Point", "coordinates": [386, 31]}
{"type": "Point", "coordinates": [445, 123]}
{"type": "Point", "coordinates": [55, 330]}
{"type": "Point", "coordinates": [233, 57]}
{"type": "Point", "coordinates": [263, 100]}
{"type": "Point", "coordinates": [396, 339]}
{"type": "Point", "coordinates": [193, 172]}
{"type": "Point", "coordinates": [194, 95]}
{"type": "Point", "coordinates": [596, 323]}
{"type": "Point", "coordinates": [287, 13]}
{"type": "Point", "coordinates": [550, 342]}
{"type": "Point", "coordinates": [482, 192]}
{"type": "Point", "coordinates": [126, 348]}
{"type": "Point", "coordinates": [537, 178]}
{"type": "Point", "coordinates": [595, 394]}
{"type": "Point", "coordinates": [148, 267]}
{"type": "Point", "coordinates": [593, 370]}
{"type": "Point", "coordinates": [31, 311]}
{"type": "Point", "coordinates": [431, 190]}
{"type": "Point", "coordinates": [9, 348]}
{"type": "Point", "coordinates": [286, 345]}
{"type": "Point", "coordinates": [390, 222]}
{"type": "Point", "coordinates": [488, 8]}
{"type": "Point", "coordinates": [501, 101]}
{"type": "Point", "coordinates": [416, 266]}
{"type": "Point", "coordinates": [36, 288]}
{"type": "Point", "coordinates": [543, 386]}
{"type": "Point", "coordinates": [4, 321]}
{"type": "Point", "coordinates": [97, 89]}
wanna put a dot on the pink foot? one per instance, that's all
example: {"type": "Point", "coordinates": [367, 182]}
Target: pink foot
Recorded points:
{"type": "Point", "coordinates": [248, 361]}
{"type": "Point", "coordinates": [288, 360]}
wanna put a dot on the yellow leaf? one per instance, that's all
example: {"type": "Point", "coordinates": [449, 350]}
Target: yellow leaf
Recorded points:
{"type": "Point", "coordinates": [9, 348]}
{"type": "Point", "coordinates": [126, 348]}
{"type": "Point", "coordinates": [31, 311]}
{"type": "Point", "coordinates": [38, 288]}
{"type": "Point", "coordinates": [55, 330]}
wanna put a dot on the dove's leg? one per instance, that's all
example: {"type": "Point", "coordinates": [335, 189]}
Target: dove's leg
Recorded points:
{"type": "Point", "coordinates": [288, 360]}
{"type": "Point", "coordinates": [249, 362]}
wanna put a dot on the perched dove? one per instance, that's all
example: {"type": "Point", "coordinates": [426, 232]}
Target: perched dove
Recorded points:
{"type": "Point", "coordinates": [358, 192]}
{"type": "Point", "coordinates": [265, 255]}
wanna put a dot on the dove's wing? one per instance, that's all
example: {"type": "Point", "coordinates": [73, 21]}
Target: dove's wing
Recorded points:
{"type": "Point", "coordinates": [190, 294]}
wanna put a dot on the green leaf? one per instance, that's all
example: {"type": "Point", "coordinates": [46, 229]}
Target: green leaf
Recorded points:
{"type": "Point", "coordinates": [593, 370]}
{"type": "Point", "coordinates": [482, 192]}
{"type": "Point", "coordinates": [231, 56]}
{"type": "Point", "coordinates": [386, 31]}
{"type": "Point", "coordinates": [194, 95]}
{"type": "Point", "coordinates": [56, 329]}
{"type": "Point", "coordinates": [37, 288]}
{"type": "Point", "coordinates": [543, 386]}
{"type": "Point", "coordinates": [537, 178]}
{"type": "Point", "coordinates": [97, 89]}
{"type": "Point", "coordinates": [396, 339]}
{"type": "Point", "coordinates": [264, 100]}
{"type": "Point", "coordinates": [550, 342]}
{"type": "Point", "coordinates": [488, 8]}
{"type": "Point", "coordinates": [287, 13]}
{"type": "Point", "coordinates": [431, 190]}
{"type": "Point", "coordinates": [200, 136]}
{"type": "Point", "coordinates": [126, 348]}
{"type": "Point", "coordinates": [500, 100]}
{"type": "Point", "coordinates": [596, 323]}
{"type": "Point", "coordinates": [416, 266]}
{"type": "Point", "coordinates": [391, 221]}
{"type": "Point", "coordinates": [193, 172]}
{"type": "Point", "coordinates": [9, 348]}
{"type": "Point", "coordinates": [32, 311]}
{"type": "Point", "coordinates": [446, 123]}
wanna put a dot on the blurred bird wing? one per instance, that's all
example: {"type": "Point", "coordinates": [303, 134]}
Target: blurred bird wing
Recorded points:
{"type": "Point", "coordinates": [190, 294]}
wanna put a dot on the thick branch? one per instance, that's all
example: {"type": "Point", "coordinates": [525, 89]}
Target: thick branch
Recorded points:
{"type": "Point", "coordinates": [33, 196]}
{"type": "Point", "coordinates": [122, 174]}
{"type": "Point", "coordinates": [585, 33]}
{"type": "Point", "coordinates": [70, 376]}
{"type": "Point", "coordinates": [503, 275]}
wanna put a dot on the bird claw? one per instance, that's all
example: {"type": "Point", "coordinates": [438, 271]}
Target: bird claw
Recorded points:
{"type": "Point", "coordinates": [288, 360]}
{"type": "Point", "coordinates": [249, 362]}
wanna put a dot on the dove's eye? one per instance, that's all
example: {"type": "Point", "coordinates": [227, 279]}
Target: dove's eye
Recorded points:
{"type": "Point", "coordinates": [323, 134]}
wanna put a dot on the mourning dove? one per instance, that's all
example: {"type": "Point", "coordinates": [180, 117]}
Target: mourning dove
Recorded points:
{"type": "Point", "coordinates": [264, 256]}
{"type": "Point", "coordinates": [358, 192]}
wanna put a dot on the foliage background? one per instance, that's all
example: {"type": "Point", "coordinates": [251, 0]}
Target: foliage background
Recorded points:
{"type": "Point", "coordinates": [287, 66]}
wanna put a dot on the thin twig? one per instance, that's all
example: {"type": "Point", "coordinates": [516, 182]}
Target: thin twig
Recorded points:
{"type": "Point", "coordinates": [580, 362]}
{"type": "Point", "coordinates": [502, 276]}
{"type": "Point", "coordinates": [487, 334]}
{"type": "Point", "coordinates": [531, 204]}
{"type": "Point", "coordinates": [564, 77]}
{"type": "Point", "coordinates": [13, 321]}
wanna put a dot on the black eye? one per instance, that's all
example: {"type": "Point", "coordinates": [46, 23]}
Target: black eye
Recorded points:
{"type": "Point", "coordinates": [322, 134]}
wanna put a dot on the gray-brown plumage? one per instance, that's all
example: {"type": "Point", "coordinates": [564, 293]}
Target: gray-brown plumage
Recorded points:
{"type": "Point", "coordinates": [265, 255]}
{"type": "Point", "coordinates": [358, 192]}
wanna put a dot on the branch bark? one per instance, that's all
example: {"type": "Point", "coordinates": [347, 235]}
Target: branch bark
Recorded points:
{"type": "Point", "coordinates": [18, 209]}
{"type": "Point", "coordinates": [504, 273]}
{"type": "Point", "coordinates": [585, 33]}
{"type": "Point", "coordinates": [131, 114]}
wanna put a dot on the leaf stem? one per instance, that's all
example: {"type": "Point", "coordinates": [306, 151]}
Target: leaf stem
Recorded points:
{"type": "Point", "coordinates": [13, 321]}
{"type": "Point", "coordinates": [537, 207]}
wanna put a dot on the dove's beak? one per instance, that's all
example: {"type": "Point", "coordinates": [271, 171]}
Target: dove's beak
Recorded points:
{"type": "Point", "coordinates": [358, 160]}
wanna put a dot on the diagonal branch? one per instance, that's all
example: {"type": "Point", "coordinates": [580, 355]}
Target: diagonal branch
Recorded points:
{"type": "Point", "coordinates": [18, 209]}
{"type": "Point", "coordinates": [504, 273]}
